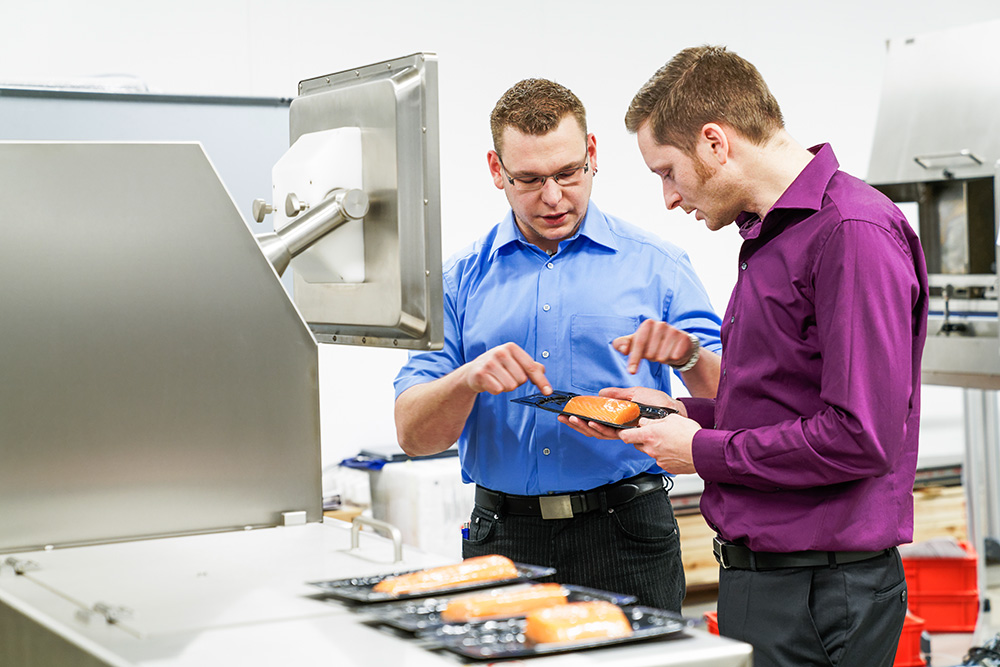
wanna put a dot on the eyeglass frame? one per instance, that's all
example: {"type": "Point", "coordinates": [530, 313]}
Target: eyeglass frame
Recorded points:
{"type": "Point", "coordinates": [555, 177]}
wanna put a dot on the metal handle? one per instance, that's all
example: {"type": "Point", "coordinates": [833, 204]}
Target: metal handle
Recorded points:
{"type": "Point", "coordinates": [391, 530]}
{"type": "Point", "coordinates": [338, 207]}
{"type": "Point", "coordinates": [924, 160]}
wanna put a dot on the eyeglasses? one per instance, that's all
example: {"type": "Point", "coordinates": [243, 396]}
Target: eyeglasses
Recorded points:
{"type": "Point", "coordinates": [566, 178]}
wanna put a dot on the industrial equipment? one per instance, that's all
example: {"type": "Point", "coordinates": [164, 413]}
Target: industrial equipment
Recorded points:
{"type": "Point", "coordinates": [370, 130]}
{"type": "Point", "coordinates": [937, 153]}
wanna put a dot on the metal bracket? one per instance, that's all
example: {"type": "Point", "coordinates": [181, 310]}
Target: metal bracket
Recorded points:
{"type": "Point", "coordinates": [112, 613]}
{"type": "Point", "coordinates": [296, 518]}
{"type": "Point", "coordinates": [22, 566]}
{"type": "Point", "coordinates": [391, 530]}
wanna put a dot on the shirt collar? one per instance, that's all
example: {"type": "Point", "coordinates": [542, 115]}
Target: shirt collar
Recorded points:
{"type": "Point", "coordinates": [595, 227]}
{"type": "Point", "coordinates": [805, 193]}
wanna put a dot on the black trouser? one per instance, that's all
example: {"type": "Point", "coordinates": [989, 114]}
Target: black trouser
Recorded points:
{"type": "Point", "coordinates": [633, 548]}
{"type": "Point", "coordinates": [848, 615]}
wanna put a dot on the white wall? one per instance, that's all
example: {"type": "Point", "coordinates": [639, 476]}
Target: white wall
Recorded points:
{"type": "Point", "coordinates": [822, 60]}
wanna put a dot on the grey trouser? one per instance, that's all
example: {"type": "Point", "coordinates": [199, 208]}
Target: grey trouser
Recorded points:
{"type": "Point", "coordinates": [848, 615]}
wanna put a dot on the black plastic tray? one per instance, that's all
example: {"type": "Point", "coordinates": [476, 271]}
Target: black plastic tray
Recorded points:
{"type": "Point", "coordinates": [425, 613]}
{"type": "Point", "coordinates": [499, 640]}
{"type": "Point", "coordinates": [555, 402]}
{"type": "Point", "coordinates": [359, 589]}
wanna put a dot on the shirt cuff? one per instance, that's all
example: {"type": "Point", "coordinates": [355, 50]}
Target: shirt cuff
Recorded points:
{"type": "Point", "coordinates": [708, 453]}
{"type": "Point", "coordinates": [702, 410]}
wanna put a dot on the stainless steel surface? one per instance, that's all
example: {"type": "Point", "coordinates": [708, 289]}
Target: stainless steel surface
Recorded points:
{"type": "Point", "coordinates": [384, 527]}
{"type": "Point", "coordinates": [980, 473]}
{"type": "Point", "coordinates": [940, 96]}
{"type": "Point", "coordinates": [241, 598]}
{"type": "Point", "coordinates": [340, 206]}
{"type": "Point", "coordinates": [400, 303]}
{"type": "Point", "coordinates": [156, 377]}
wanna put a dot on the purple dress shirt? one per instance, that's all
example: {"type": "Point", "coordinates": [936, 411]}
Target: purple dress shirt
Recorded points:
{"type": "Point", "coordinates": [812, 441]}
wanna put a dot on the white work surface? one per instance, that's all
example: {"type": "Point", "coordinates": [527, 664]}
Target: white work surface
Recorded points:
{"type": "Point", "coordinates": [241, 598]}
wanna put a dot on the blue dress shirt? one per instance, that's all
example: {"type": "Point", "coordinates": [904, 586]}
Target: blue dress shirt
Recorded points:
{"type": "Point", "coordinates": [564, 311]}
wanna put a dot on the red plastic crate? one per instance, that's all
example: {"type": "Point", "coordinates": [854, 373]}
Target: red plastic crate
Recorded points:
{"type": "Point", "coordinates": [908, 650]}
{"type": "Point", "coordinates": [954, 612]}
{"type": "Point", "coordinates": [943, 591]}
{"type": "Point", "coordinates": [712, 620]}
{"type": "Point", "coordinates": [942, 576]}
{"type": "Point", "coordinates": [907, 653]}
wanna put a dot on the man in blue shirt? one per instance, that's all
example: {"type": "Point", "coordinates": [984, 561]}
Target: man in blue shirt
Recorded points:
{"type": "Point", "coordinates": [586, 293]}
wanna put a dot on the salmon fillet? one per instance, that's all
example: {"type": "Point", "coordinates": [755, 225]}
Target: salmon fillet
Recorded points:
{"type": "Point", "coordinates": [611, 410]}
{"type": "Point", "coordinates": [576, 621]}
{"type": "Point", "coordinates": [503, 603]}
{"type": "Point", "coordinates": [481, 568]}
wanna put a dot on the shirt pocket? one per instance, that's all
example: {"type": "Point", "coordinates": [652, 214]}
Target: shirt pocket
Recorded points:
{"type": "Point", "coordinates": [595, 364]}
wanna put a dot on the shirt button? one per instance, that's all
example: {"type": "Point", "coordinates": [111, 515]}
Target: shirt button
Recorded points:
{"type": "Point", "coordinates": [546, 308]}
{"type": "Point", "coordinates": [723, 371]}
{"type": "Point", "coordinates": [545, 354]}
{"type": "Point", "coordinates": [743, 266]}
{"type": "Point", "coordinates": [550, 265]}
{"type": "Point", "coordinates": [732, 319]}
{"type": "Point", "coordinates": [546, 451]}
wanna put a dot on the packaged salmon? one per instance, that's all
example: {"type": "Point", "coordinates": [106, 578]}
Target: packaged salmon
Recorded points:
{"type": "Point", "coordinates": [576, 622]}
{"type": "Point", "coordinates": [611, 412]}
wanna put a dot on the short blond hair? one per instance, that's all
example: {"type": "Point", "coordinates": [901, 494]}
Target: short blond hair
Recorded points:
{"type": "Point", "coordinates": [705, 84]}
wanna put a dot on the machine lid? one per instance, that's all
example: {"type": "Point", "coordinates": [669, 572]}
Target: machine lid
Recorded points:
{"type": "Point", "coordinates": [938, 115]}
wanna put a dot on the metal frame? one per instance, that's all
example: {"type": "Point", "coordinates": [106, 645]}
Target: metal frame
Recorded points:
{"type": "Point", "coordinates": [400, 303]}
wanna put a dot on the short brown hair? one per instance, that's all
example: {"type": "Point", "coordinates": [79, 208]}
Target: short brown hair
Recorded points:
{"type": "Point", "coordinates": [705, 84]}
{"type": "Point", "coordinates": [534, 106]}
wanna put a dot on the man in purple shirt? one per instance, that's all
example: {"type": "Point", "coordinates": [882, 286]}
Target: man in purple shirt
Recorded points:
{"type": "Point", "coordinates": [809, 450]}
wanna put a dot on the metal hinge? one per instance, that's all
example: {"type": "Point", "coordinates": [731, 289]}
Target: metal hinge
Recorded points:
{"type": "Point", "coordinates": [22, 566]}
{"type": "Point", "coordinates": [112, 613]}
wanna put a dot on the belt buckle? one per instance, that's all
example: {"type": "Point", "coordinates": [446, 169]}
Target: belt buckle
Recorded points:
{"type": "Point", "coordinates": [556, 507]}
{"type": "Point", "coordinates": [720, 552]}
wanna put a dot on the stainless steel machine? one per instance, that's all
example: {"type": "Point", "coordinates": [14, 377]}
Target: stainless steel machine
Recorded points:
{"type": "Point", "coordinates": [159, 410]}
{"type": "Point", "coordinates": [367, 133]}
{"type": "Point", "coordinates": [937, 153]}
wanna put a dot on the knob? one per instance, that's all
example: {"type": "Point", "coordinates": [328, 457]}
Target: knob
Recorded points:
{"type": "Point", "coordinates": [355, 204]}
{"type": "Point", "coordinates": [260, 209]}
{"type": "Point", "coordinates": [293, 206]}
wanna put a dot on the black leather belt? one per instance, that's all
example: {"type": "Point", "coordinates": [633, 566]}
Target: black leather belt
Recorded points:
{"type": "Point", "coordinates": [566, 506]}
{"type": "Point", "coordinates": [739, 557]}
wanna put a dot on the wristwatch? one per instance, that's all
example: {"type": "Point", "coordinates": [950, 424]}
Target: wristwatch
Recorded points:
{"type": "Point", "coordinates": [695, 353]}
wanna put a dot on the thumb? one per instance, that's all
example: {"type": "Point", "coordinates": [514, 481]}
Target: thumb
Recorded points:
{"type": "Point", "coordinates": [622, 393]}
{"type": "Point", "coordinates": [631, 436]}
{"type": "Point", "coordinates": [623, 344]}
